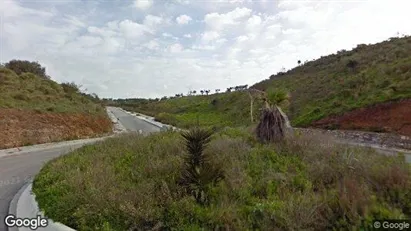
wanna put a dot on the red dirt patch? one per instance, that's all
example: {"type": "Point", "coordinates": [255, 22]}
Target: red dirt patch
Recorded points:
{"type": "Point", "coordinates": [391, 117]}
{"type": "Point", "coordinates": [26, 127]}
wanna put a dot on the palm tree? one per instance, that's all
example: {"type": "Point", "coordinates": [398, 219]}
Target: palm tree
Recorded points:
{"type": "Point", "coordinates": [273, 121]}
{"type": "Point", "coordinates": [202, 92]}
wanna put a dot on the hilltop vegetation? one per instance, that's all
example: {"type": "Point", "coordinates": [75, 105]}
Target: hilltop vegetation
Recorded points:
{"type": "Point", "coordinates": [36, 109]}
{"type": "Point", "coordinates": [30, 91]}
{"type": "Point", "coordinates": [330, 87]}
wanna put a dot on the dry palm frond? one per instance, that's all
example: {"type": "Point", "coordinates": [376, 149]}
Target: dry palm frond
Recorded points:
{"type": "Point", "coordinates": [271, 127]}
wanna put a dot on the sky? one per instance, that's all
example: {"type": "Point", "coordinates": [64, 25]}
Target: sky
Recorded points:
{"type": "Point", "coordinates": [155, 48]}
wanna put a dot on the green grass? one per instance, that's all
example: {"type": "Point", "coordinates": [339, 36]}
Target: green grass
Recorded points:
{"type": "Point", "coordinates": [217, 111]}
{"type": "Point", "coordinates": [318, 89]}
{"type": "Point", "coordinates": [130, 183]}
{"type": "Point", "coordinates": [28, 91]}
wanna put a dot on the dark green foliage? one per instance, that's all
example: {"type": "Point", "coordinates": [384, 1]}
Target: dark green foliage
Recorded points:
{"type": "Point", "coordinates": [23, 66]}
{"type": "Point", "coordinates": [70, 88]}
{"type": "Point", "coordinates": [352, 64]}
{"type": "Point", "coordinates": [199, 173]}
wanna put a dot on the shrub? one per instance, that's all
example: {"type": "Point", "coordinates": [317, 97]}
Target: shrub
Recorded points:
{"type": "Point", "coordinates": [22, 66]}
{"type": "Point", "coordinates": [70, 88]}
{"type": "Point", "coordinates": [199, 174]}
{"type": "Point", "coordinates": [21, 96]}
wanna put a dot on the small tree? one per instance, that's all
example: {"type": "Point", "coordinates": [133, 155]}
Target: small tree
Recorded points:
{"type": "Point", "coordinates": [199, 173]}
{"type": "Point", "coordinates": [71, 88]}
{"type": "Point", "coordinates": [202, 92]}
{"type": "Point", "coordinates": [352, 64]}
{"type": "Point", "coordinates": [22, 66]}
{"type": "Point", "coordinates": [299, 62]}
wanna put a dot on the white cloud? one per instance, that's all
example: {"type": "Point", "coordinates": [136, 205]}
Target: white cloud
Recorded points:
{"type": "Point", "coordinates": [88, 41]}
{"type": "Point", "coordinates": [183, 19]}
{"type": "Point", "coordinates": [218, 21]}
{"type": "Point", "coordinates": [242, 38]}
{"type": "Point", "coordinates": [143, 4]}
{"type": "Point", "coordinates": [241, 42]}
{"type": "Point", "coordinates": [153, 45]}
{"type": "Point", "coordinates": [152, 21]}
{"type": "Point", "coordinates": [185, 2]}
{"type": "Point", "coordinates": [175, 48]}
{"type": "Point", "coordinates": [132, 29]}
{"type": "Point", "coordinates": [210, 36]}
{"type": "Point", "coordinates": [254, 21]}
{"type": "Point", "coordinates": [204, 47]}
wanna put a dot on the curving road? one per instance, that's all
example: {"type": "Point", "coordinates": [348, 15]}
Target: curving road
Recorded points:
{"type": "Point", "coordinates": [18, 167]}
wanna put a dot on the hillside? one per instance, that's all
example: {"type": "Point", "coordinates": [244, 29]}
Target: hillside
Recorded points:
{"type": "Point", "coordinates": [367, 88]}
{"type": "Point", "coordinates": [35, 109]}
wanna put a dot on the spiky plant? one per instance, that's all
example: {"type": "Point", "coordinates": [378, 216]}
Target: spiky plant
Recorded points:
{"type": "Point", "coordinates": [198, 172]}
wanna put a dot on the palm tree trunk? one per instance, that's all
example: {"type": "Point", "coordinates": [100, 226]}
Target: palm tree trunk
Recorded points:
{"type": "Point", "coordinates": [251, 107]}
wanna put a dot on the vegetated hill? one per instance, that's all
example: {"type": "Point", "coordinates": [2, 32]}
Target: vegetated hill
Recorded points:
{"type": "Point", "coordinates": [35, 109]}
{"type": "Point", "coordinates": [367, 88]}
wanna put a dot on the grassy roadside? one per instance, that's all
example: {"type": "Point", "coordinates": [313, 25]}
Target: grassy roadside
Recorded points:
{"type": "Point", "coordinates": [130, 183]}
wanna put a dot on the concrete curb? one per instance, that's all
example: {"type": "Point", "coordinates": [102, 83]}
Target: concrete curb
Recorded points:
{"type": "Point", "coordinates": [118, 127]}
{"type": "Point", "coordinates": [24, 205]}
{"type": "Point", "coordinates": [13, 204]}
{"type": "Point", "coordinates": [27, 149]}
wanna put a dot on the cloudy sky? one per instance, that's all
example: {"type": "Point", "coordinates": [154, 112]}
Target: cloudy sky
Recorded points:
{"type": "Point", "coordinates": [152, 48]}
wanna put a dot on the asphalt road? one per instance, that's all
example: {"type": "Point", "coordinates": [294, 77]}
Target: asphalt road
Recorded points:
{"type": "Point", "coordinates": [15, 170]}
{"type": "Point", "coordinates": [132, 123]}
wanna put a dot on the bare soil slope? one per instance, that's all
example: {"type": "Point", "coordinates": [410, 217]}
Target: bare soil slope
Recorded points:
{"type": "Point", "coordinates": [36, 109]}
{"type": "Point", "coordinates": [28, 127]}
{"type": "Point", "coordinates": [391, 117]}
